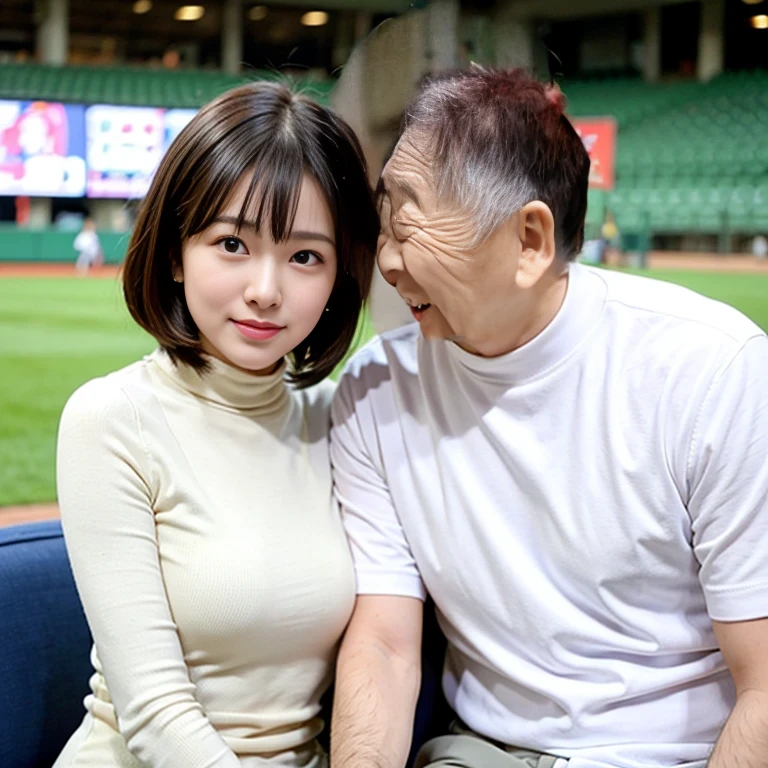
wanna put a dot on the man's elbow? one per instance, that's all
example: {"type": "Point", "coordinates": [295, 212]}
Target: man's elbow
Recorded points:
{"type": "Point", "coordinates": [386, 631]}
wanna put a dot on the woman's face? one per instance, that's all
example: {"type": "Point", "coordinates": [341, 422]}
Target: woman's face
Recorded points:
{"type": "Point", "coordinates": [254, 300]}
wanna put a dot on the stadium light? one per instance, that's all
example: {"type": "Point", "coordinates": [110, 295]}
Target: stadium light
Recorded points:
{"type": "Point", "coordinates": [760, 21]}
{"type": "Point", "coordinates": [314, 19]}
{"type": "Point", "coordinates": [142, 6]}
{"type": "Point", "coordinates": [258, 13]}
{"type": "Point", "coordinates": [189, 13]}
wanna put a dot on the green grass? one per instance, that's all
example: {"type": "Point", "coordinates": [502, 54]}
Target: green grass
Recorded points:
{"type": "Point", "coordinates": [747, 292]}
{"type": "Point", "coordinates": [55, 334]}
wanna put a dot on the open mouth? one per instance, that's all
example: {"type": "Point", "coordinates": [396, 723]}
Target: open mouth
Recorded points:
{"type": "Point", "coordinates": [419, 310]}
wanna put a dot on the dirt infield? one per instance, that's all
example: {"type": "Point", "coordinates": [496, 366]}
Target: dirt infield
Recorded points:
{"type": "Point", "coordinates": [27, 269]}
{"type": "Point", "coordinates": [29, 513]}
{"type": "Point", "coordinates": [731, 263]}
{"type": "Point", "coordinates": [705, 262]}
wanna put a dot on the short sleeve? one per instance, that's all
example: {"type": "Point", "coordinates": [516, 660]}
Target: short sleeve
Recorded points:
{"type": "Point", "coordinates": [384, 562]}
{"type": "Point", "coordinates": [728, 482]}
{"type": "Point", "coordinates": [104, 480]}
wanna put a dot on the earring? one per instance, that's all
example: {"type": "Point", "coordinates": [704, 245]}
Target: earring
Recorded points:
{"type": "Point", "coordinates": [327, 309]}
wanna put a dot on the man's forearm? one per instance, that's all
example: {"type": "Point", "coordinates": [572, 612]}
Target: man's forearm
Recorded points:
{"type": "Point", "coordinates": [744, 740]}
{"type": "Point", "coordinates": [374, 707]}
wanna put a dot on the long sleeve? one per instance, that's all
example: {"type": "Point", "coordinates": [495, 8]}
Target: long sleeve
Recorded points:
{"type": "Point", "coordinates": [104, 476]}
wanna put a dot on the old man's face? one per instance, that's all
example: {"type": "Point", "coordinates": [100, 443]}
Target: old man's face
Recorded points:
{"type": "Point", "coordinates": [456, 289]}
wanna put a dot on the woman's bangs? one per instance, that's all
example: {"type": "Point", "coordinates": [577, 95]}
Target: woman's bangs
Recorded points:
{"type": "Point", "coordinates": [273, 194]}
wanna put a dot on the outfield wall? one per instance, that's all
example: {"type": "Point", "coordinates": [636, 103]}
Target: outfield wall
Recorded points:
{"type": "Point", "coordinates": [54, 246]}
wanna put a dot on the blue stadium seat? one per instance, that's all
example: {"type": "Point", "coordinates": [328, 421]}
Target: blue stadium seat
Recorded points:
{"type": "Point", "coordinates": [45, 645]}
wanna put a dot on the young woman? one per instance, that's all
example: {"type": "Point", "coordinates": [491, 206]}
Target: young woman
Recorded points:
{"type": "Point", "coordinates": [194, 485]}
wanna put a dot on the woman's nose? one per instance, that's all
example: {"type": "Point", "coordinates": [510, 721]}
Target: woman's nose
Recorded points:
{"type": "Point", "coordinates": [263, 286]}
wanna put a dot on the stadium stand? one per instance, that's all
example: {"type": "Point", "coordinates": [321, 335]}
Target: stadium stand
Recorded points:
{"type": "Point", "coordinates": [130, 86]}
{"type": "Point", "coordinates": [691, 156]}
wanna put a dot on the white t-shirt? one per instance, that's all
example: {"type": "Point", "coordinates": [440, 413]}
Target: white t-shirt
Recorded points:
{"type": "Point", "coordinates": [579, 509]}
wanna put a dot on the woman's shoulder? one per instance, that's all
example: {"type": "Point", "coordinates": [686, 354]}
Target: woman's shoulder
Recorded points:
{"type": "Point", "coordinates": [107, 397]}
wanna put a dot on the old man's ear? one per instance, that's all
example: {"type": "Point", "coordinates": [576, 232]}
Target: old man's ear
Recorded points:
{"type": "Point", "coordinates": [536, 230]}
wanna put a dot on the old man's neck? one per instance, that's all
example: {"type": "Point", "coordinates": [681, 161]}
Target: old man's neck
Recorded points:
{"type": "Point", "coordinates": [529, 314]}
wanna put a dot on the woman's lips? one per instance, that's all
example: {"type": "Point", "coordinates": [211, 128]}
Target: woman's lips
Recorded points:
{"type": "Point", "coordinates": [256, 330]}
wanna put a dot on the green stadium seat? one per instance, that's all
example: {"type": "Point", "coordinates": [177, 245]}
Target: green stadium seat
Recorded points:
{"type": "Point", "coordinates": [691, 156]}
{"type": "Point", "coordinates": [129, 86]}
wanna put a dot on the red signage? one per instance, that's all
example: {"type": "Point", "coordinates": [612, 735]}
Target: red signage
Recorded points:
{"type": "Point", "coordinates": [599, 137]}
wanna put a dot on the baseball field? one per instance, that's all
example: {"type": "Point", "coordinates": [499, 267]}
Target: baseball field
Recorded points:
{"type": "Point", "coordinates": [58, 331]}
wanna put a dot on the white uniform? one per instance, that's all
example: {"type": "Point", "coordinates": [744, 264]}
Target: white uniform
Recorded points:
{"type": "Point", "coordinates": [88, 249]}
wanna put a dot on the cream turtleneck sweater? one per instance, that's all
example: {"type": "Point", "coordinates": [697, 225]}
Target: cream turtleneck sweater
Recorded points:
{"type": "Point", "coordinates": [211, 563]}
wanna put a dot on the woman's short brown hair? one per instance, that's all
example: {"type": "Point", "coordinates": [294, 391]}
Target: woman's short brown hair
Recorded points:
{"type": "Point", "coordinates": [265, 130]}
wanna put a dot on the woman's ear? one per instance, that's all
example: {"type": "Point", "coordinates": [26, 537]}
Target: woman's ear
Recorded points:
{"type": "Point", "coordinates": [536, 229]}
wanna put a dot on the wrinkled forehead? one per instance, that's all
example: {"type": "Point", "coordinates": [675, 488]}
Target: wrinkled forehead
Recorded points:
{"type": "Point", "coordinates": [408, 175]}
{"type": "Point", "coordinates": [407, 195]}
{"type": "Point", "coordinates": [410, 161]}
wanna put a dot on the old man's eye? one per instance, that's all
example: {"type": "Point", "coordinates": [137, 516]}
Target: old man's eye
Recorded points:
{"type": "Point", "coordinates": [400, 230]}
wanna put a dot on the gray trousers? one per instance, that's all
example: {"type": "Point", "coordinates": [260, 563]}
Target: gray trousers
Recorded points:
{"type": "Point", "coordinates": [463, 749]}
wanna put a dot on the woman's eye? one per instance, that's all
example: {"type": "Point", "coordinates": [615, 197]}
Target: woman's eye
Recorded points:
{"type": "Point", "coordinates": [306, 258]}
{"type": "Point", "coordinates": [232, 245]}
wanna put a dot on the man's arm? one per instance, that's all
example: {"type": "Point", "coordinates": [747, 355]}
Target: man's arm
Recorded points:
{"type": "Point", "coordinates": [377, 683]}
{"type": "Point", "coordinates": [744, 740]}
{"type": "Point", "coordinates": [727, 482]}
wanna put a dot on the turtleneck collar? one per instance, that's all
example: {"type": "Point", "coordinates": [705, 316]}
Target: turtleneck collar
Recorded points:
{"type": "Point", "coordinates": [225, 386]}
{"type": "Point", "coordinates": [577, 318]}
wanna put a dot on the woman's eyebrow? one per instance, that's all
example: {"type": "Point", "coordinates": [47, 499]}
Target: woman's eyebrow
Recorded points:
{"type": "Point", "coordinates": [302, 234]}
{"type": "Point", "coordinates": [299, 234]}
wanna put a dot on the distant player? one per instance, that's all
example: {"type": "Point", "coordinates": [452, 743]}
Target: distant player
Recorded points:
{"type": "Point", "coordinates": [88, 247]}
